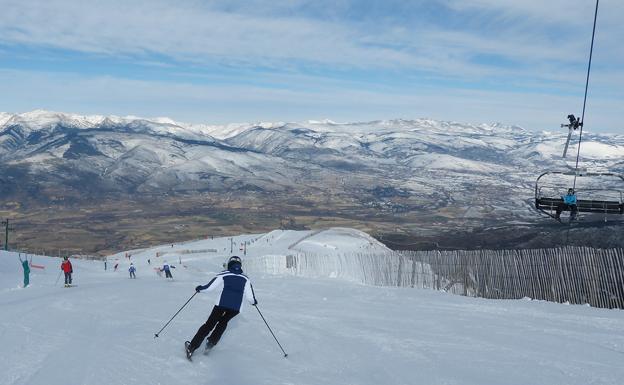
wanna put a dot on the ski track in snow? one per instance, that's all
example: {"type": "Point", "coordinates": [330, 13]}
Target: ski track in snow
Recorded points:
{"type": "Point", "coordinates": [335, 332]}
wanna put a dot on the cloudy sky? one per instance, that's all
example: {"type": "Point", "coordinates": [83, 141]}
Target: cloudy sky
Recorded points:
{"type": "Point", "coordinates": [510, 61]}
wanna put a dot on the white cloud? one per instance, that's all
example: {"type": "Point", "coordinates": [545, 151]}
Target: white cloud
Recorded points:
{"type": "Point", "coordinates": [184, 31]}
{"type": "Point", "coordinates": [266, 34]}
{"type": "Point", "coordinates": [236, 103]}
{"type": "Point", "coordinates": [539, 47]}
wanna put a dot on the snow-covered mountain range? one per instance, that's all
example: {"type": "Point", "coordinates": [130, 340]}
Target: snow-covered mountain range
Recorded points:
{"type": "Point", "coordinates": [436, 168]}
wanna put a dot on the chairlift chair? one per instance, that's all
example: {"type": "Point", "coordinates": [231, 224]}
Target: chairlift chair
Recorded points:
{"type": "Point", "coordinates": [599, 200]}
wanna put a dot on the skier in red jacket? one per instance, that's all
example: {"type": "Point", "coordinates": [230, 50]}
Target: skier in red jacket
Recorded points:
{"type": "Point", "coordinates": [67, 268]}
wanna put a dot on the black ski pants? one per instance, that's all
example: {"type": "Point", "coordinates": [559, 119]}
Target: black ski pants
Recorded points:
{"type": "Point", "coordinates": [218, 321]}
{"type": "Point", "coordinates": [68, 279]}
{"type": "Point", "coordinates": [563, 206]}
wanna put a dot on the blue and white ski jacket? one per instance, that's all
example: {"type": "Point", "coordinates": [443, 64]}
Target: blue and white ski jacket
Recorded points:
{"type": "Point", "coordinates": [234, 285]}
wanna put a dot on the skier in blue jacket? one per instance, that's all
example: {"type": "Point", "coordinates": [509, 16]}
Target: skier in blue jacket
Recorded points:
{"type": "Point", "coordinates": [233, 285]}
{"type": "Point", "coordinates": [26, 270]}
{"type": "Point", "coordinates": [167, 269]}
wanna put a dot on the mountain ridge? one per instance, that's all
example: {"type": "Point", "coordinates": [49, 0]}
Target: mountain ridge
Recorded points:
{"type": "Point", "coordinates": [401, 174]}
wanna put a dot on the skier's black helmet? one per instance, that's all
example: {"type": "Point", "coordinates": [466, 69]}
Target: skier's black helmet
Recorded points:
{"type": "Point", "coordinates": [234, 262]}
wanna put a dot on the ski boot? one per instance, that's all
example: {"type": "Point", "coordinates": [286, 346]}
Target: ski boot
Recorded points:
{"type": "Point", "coordinates": [187, 349]}
{"type": "Point", "coordinates": [209, 346]}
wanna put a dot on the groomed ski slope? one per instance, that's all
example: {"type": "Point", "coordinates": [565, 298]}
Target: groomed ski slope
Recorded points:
{"type": "Point", "coordinates": [335, 332]}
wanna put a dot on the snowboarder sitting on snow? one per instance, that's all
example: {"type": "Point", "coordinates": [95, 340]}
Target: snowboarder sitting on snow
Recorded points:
{"type": "Point", "coordinates": [67, 268]}
{"type": "Point", "coordinates": [132, 269]}
{"type": "Point", "coordinates": [26, 270]}
{"type": "Point", "coordinates": [167, 269]}
{"type": "Point", "coordinates": [234, 285]}
{"type": "Point", "coordinates": [569, 201]}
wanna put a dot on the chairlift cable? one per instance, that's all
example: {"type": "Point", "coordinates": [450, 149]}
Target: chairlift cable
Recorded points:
{"type": "Point", "coordinates": [591, 50]}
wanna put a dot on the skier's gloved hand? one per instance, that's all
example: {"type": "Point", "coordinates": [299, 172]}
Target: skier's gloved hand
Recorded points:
{"type": "Point", "coordinates": [198, 288]}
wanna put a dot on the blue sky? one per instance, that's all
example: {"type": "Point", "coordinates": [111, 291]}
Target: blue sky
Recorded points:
{"type": "Point", "coordinates": [515, 62]}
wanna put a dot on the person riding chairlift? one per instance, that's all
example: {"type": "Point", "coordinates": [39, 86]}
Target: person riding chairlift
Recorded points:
{"type": "Point", "coordinates": [569, 202]}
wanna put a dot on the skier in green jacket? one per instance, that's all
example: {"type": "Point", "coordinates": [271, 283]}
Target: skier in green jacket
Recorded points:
{"type": "Point", "coordinates": [26, 270]}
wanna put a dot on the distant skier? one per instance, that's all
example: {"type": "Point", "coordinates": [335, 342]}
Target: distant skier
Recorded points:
{"type": "Point", "coordinates": [149, 262]}
{"type": "Point", "coordinates": [167, 269]}
{"type": "Point", "coordinates": [26, 270]}
{"type": "Point", "coordinates": [234, 285]}
{"type": "Point", "coordinates": [115, 267]}
{"type": "Point", "coordinates": [105, 265]}
{"type": "Point", "coordinates": [569, 201]}
{"type": "Point", "coordinates": [132, 269]}
{"type": "Point", "coordinates": [67, 268]}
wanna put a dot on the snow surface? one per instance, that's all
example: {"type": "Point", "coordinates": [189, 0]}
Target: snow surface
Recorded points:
{"type": "Point", "coordinates": [449, 162]}
{"type": "Point", "coordinates": [334, 331]}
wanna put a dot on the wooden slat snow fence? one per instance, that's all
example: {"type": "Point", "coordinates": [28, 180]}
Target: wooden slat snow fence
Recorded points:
{"type": "Point", "coordinates": [572, 274]}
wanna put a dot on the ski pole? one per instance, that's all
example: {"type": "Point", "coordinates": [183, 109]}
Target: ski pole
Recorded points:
{"type": "Point", "coordinates": [265, 322]}
{"type": "Point", "coordinates": [57, 278]}
{"type": "Point", "coordinates": [163, 328]}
